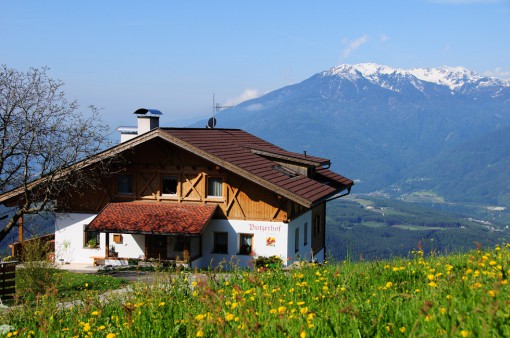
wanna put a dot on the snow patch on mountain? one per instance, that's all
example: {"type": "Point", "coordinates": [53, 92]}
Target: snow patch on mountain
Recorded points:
{"type": "Point", "coordinates": [388, 77]}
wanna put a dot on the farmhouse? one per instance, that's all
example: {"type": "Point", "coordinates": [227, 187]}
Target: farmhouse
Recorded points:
{"type": "Point", "coordinates": [201, 195]}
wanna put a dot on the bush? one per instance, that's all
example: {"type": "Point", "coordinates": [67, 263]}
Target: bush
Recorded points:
{"type": "Point", "coordinates": [37, 274]}
{"type": "Point", "coordinates": [272, 262]}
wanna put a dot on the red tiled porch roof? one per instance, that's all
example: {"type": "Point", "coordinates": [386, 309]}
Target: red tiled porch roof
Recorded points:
{"type": "Point", "coordinates": [153, 218]}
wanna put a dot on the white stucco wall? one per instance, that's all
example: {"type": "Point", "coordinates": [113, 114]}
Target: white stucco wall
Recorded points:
{"type": "Point", "coordinates": [69, 241]}
{"type": "Point", "coordinates": [269, 238]}
{"type": "Point", "coordinates": [132, 246]}
{"type": "Point", "coordinates": [304, 252]}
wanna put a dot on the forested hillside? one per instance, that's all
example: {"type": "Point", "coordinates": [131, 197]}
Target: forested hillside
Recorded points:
{"type": "Point", "coordinates": [364, 227]}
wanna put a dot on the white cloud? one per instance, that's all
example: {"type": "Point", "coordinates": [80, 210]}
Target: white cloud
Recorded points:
{"type": "Point", "coordinates": [353, 45]}
{"type": "Point", "coordinates": [248, 94]}
{"type": "Point", "coordinates": [255, 107]}
{"type": "Point", "coordinates": [499, 72]}
{"type": "Point", "coordinates": [384, 38]}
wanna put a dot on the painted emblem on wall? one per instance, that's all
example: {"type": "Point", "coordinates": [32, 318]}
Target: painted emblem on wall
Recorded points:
{"type": "Point", "coordinates": [270, 241]}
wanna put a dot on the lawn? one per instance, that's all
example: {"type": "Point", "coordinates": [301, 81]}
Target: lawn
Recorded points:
{"type": "Point", "coordinates": [464, 295]}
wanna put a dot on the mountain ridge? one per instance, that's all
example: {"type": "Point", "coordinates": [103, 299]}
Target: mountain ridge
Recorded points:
{"type": "Point", "coordinates": [451, 77]}
{"type": "Point", "coordinates": [379, 124]}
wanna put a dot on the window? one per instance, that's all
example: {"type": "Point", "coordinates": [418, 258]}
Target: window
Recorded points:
{"type": "Point", "coordinates": [125, 184]}
{"type": "Point", "coordinates": [317, 225]}
{"type": "Point", "coordinates": [245, 244]}
{"type": "Point", "coordinates": [117, 238]}
{"type": "Point", "coordinates": [169, 185]}
{"type": "Point", "coordinates": [90, 238]}
{"type": "Point", "coordinates": [296, 240]}
{"type": "Point", "coordinates": [220, 242]}
{"type": "Point", "coordinates": [305, 235]}
{"type": "Point", "coordinates": [214, 187]}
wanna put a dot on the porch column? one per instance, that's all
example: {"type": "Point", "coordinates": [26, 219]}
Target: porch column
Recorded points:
{"type": "Point", "coordinates": [107, 245]}
{"type": "Point", "coordinates": [20, 229]}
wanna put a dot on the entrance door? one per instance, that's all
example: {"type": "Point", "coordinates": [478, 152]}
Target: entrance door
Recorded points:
{"type": "Point", "coordinates": [156, 246]}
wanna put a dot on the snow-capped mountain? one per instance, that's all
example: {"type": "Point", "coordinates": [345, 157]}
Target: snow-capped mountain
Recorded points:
{"type": "Point", "coordinates": [452, 77]}
{"type": "Point", "coordinates": [379, 124]}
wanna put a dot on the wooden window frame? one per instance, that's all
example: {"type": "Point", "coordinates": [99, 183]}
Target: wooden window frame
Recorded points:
{"type": "Point", "coordinates": [118, 239]}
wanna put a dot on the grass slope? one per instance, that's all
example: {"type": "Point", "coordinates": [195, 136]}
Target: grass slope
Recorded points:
{"type": "Point", "coordinates": [463, 295]}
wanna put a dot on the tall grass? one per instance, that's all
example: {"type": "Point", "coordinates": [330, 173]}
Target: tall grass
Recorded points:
{"type": "Point", "coordinates": [465, 295]}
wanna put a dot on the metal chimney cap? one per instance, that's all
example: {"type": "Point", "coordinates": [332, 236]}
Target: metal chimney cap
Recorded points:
{"type": "Point", "coordinates": [148, 112]}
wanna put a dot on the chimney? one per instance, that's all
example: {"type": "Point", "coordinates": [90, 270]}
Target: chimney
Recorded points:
{"type": "Point", "coordinates": [148, 119]}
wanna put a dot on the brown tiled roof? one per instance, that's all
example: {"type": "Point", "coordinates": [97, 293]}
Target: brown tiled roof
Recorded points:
{"type": "Point", "coordinates": [245, 155]}
{"type": "Point", "coordinates": [253, 156]}
{"type": "Point", "coordinates": [153, 218]}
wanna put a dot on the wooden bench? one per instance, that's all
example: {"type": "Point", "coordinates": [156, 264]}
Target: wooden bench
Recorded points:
{"type": "Point", "coordinates": [100, 258]}
{"type": "Point", "coordinates": [95, 259]}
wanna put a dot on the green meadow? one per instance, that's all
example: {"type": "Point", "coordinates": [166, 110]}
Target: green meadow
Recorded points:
{"type": "Point", "coordinates": [461, 295]}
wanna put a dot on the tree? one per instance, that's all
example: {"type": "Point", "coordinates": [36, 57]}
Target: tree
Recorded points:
{"type": "Point", "coordinates": [42, 134]}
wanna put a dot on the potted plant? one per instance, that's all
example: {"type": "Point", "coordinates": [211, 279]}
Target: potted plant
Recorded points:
{"type": "Point", "coordinates": [92, 243]}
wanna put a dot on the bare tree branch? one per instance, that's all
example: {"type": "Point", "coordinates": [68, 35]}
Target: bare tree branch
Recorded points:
{"type": "Point", "coordinates": [42, 134]}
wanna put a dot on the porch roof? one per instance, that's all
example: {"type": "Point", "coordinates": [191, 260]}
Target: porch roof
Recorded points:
{"type": "Point", "coordinates": [153, 218]}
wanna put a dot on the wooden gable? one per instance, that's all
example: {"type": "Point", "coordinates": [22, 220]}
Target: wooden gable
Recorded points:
{"type": "Point", "coordinates": [149, 162]}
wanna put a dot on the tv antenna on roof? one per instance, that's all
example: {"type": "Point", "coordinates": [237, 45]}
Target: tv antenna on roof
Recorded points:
{"type": "Point", "coordinates": [216, 108]}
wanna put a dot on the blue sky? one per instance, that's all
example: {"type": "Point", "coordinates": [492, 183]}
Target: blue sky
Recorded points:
{"type": "Point", "coordinates": [173, 55]}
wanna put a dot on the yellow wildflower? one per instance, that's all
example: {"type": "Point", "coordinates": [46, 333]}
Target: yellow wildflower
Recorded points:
{"type": "Point", "coordinates": [464, 333]}
{"type": "Point", "coordinates": [111, 335]}
{"type": "Point", "coordinates": [94, 313]}
{"type": "Point", "coordinates": [282, 309]}
{"type": "Point", "coordinates": [200, 333]}
{"type": "Point", "coordinates": [229, 317]}
{"type": "Point", "coordinates": [403, 329]}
